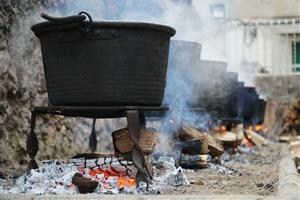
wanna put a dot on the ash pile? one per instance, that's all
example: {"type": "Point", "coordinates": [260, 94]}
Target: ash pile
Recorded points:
{"type": "Point", "coordinates": [168, 157]}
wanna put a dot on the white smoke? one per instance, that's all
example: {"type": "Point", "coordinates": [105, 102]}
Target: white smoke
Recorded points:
{"type": "Point", "coordinates": [193, 22]}
{"type": "Point", "coordinates": [191, 18]}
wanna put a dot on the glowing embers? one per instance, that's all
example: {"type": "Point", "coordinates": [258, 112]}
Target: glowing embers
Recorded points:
{"type": "Point", "coordinates": [111, 171]}
{"type": "Point", "coordinates": [258, 128]}
{"type": "Point", "coordinates": [247, 141]}
{"type": "Point", "coordinates": [104, 175]}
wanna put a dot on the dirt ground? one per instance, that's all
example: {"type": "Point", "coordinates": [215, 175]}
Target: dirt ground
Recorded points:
{"type": "Point", "coordinates": [251, 172]}
{"type": "Point", "coordinates": [256, 173]}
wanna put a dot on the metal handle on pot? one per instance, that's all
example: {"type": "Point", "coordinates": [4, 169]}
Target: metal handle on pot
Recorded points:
{"type": "Point", "coordinates": [62, 20]}
{"type": "Point", "coordinates": [70, 19]}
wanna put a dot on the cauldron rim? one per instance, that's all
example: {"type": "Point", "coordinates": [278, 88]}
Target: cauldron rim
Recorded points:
{"type": "Point", "coordinates": [52, 26]}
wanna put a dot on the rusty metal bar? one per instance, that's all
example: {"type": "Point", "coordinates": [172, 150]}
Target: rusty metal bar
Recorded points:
{"type": "Point", "coordinates": [135, 118]}
{"type": "Point", "coordinates": [95, 111]}
{"type": "Point", "coordinates": [93, 138]}
{"type": "Point", "coordinates": [32, 144]}
{"type": "Point", "coordinates": [144, 174]}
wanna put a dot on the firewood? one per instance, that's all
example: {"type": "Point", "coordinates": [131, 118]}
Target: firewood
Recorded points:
{"type": "Point", "coordinates": [239, 131]}
{"type": "Point", "coordinates": [188, 132]}
{"type": "Point", "coordinates": [123, 143]}
{"type": "Point", "coordinates": [297, 121]}
{"type": "Point", "coordinates": [257, 139]}
{"type": "Point", "coordinates": [192, 147]}
{"type": "Point", "coordinates": [85, 185]}
{"type": "Point", "coordinates": [295, 148]}
{"type": "Point", "coordinates": [193, 161]}
{"type": "Point", "coordinates": [291, 118]}
{"type": "Point", "coordinates": [296, 104]}
{"type": "Point", "coordinates": [214, 146]}
{"type": "Point", "coordinates": [297, 161]}
{"type": "Point", "coordinates": [284, 138]}
{"type": "Point", "coordinates": [226, 137]}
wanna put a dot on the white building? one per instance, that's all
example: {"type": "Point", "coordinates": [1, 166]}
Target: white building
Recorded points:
{"type": "Point", "coordinates": [262, 36]}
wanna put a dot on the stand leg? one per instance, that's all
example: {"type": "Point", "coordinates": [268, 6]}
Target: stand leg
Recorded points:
{"type": "Point", "coordinates": [93, 138]}
{"type": "Point", "coordinates": [142, 119]}
{"type": "Point", "coordinates": [137, 154]}
{"type": "Point", "coordinates": [32, 144]}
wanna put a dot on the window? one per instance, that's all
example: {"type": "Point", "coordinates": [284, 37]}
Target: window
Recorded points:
{"type": "Point", "coordinates": [296, 56]}
{"type": "Point", "coordinates": [217, 11]}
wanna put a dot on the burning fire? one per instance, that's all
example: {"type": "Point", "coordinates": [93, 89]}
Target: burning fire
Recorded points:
{"type": "Point", "coordinates": [122, 180]}
{"type": "Point", "coordinates": [246, 142]}
{"type": "Point", "coordinates": [257, 128]}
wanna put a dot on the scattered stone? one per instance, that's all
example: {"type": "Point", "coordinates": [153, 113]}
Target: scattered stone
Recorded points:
{"type": "Point", "coordinates": [220, 183]}
{"type": "Point", "coordinates": [2, 176]}
{"type": "Point", "coordinates": [269, 186]}
{"type": "Point", "coordinates": [223, 169]}
{"type": "Point", "coordinates": [197, 182]}
{"type": "Point", "coordinates": [259, 185]}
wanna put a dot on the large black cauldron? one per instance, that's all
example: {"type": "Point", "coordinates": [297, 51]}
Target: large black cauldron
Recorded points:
{"type": "Point", "coordinates": [90, 63]}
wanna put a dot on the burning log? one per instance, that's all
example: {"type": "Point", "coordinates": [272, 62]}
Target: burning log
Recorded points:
{"type": "Point", "coordinates": [209, 144]}
{"type": "Point", "coordinates": [193, 161]}
{"type": "Point", "coordinates": [85, 185]}
{"type": "Point", "coordinates": [192, 147]}
{"type": "Point", "coordinates": [187, 154]}
{"type": "Point", "coordinates": [123, 143]}
{"type": "Point", "coordinates": [190, 133]}
{"type": "Point", "coordinates": [228, 138]}
{"type": "Point", "coordinates": [257, 139]}
{"type": "Point", "coordinates": [239, 131]}
{"type": "Point", "coordinates": [215, 146]}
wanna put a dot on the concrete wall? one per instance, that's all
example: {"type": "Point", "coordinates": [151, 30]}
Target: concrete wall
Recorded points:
{"type": "Point", "coordinates": [249, 9]}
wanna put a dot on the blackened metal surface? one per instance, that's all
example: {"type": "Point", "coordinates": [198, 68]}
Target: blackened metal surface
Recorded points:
{"type": "Point", "coordinates": [250, 98]}
{"type": "Point", "coordinates": [262, 110]}
{"type": "Point", "coordinates": [133, 114]}
{"type": "Point", "coordinates": [32, 144]}
{"type": "Point", "coordinates": [93, 138]}
{"type": "Point", "coordinates": [95, 111]}
{"type": "Point", "coordinates": [104, 63]}
{"type": "Point", "coordinates": [53, 26]}
{"type": "Point", "coordinates": [144, 174]}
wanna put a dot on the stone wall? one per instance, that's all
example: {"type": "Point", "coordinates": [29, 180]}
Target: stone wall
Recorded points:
{"type": "Point", "coordinates": [22, 86]}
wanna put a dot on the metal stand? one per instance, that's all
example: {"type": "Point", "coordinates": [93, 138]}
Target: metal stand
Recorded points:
{"type": "Point", "coordinates": [135, 118]}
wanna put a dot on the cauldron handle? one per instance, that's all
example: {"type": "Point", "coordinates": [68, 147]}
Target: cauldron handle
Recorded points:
{"type": "Point", "coordinates": [70, 19]}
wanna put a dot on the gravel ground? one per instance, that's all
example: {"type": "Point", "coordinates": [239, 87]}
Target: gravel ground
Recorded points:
{"type": "Point", "coordinates": [256, 173]}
